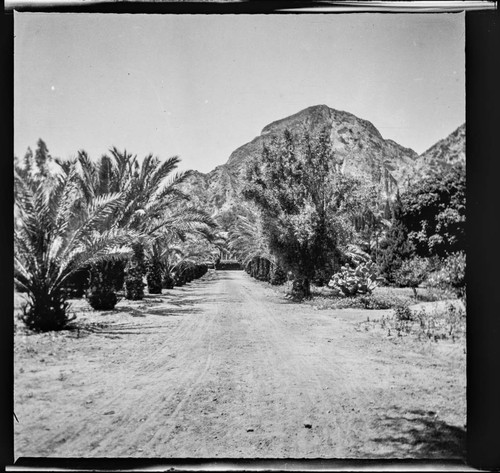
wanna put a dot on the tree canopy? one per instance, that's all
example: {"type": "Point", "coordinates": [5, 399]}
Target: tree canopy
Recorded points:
{"type": "Point", "coordinates": [297, 190]}
{"type": "Point", "coordinates": [433, 212]}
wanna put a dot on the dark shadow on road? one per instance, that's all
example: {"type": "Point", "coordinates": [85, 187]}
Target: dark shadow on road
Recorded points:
{"type": "Point", "coordinates": [421, 434]}
{"type": "Point", "coordinates": [163, 311]}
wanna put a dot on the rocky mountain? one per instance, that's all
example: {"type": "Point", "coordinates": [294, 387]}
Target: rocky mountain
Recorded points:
{"type": "Point", "coordinates": [359, 148]}
{"type": "Point", "coordinates": [445, 153]}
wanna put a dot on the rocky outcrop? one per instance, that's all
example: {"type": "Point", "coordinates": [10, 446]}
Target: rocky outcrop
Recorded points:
{"type": "Point", "coordinates": [446, 153]}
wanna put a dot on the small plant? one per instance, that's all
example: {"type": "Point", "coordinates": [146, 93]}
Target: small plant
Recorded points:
{"type": "Point", "coordinates": [403, 313]}
{"type": "Point", "coordinates": [454, 318]}
{"type": "Point", "coordinates": [378, 301]}
{"type": "Point", "coordinates": [360, 280]}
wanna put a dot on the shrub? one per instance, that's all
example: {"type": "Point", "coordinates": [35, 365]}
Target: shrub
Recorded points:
{"type": "Point", "coordinates": [360, 280]}
{"type": "Point", "coordinates": [412, 273]}
{"type": "Point", "coordinates": [379, 302]}
{"type": "Point", "coordinates": [451, 275]}
{"type": "Point", "coordinates": [403, 312]}
{"type": "Point", "coordinates": [367, 301]}
{"type": "Point", "coordinates": [278, 276]}
{"type": "Point", "coordinates": [102, 299]}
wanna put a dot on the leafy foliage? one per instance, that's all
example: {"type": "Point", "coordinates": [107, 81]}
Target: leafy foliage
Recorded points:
{"type": "Point", "coordinates": [352, 281]}
{"type": "Point", "coordinates": [433, 212]}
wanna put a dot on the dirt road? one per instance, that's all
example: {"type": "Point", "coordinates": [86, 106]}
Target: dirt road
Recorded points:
{"type": "Point", "coordinates": [225, 367]}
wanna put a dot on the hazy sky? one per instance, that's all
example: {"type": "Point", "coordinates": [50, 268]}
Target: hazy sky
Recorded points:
{"type": "Point", "coordinates": [199, 86]}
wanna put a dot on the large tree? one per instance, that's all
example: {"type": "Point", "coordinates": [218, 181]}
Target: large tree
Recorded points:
{"type": "Point", "coordinates": [295, 186]}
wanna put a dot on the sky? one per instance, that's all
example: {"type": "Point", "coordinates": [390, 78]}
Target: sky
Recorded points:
{"type": "Point", "coordinates": [200, 86]}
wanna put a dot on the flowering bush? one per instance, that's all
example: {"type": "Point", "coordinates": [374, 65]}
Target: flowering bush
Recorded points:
{"type": "Point", "coordinates": [361, 280]}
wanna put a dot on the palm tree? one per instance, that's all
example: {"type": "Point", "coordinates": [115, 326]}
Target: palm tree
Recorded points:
{"type": "Point", "coordinates": [151, 195]}
{"type": "Point", "coordinates": [56, 233]}
{"type": "Point", "coordinates": [185, 227]}
{"type": "Point", "coordinates": [248, 243]}
{"type": "Point", "coordinates": [98, 178]}
{"type": "Point", "coordinates": [246, 239]}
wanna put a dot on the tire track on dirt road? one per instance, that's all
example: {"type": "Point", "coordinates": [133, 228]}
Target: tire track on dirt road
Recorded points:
{"type": "Point", "coordinates": [308, 369]}
{"type": "Point", "coordinates": [146, 373]}
{"type": "Point", "coordinates": [237, 372]}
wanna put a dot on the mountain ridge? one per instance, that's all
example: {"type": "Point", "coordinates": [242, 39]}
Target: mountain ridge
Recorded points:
{"type": "Point", "coordinates": [359, 148]}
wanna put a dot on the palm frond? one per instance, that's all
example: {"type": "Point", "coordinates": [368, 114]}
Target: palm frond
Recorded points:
{"type": "Point", "coordinates": [96, 247]}
{"type": "Point", "coordinates": [163, 170]}
{"type": "Point", "coordinates": [98, 213]}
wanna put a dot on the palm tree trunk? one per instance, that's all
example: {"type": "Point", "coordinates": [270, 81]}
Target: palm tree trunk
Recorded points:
{"type": "Point", "coordinates": [101, 294]}
{"type": "Point", "coordinates": [301, 289]}
{"type": "Point", "coordinates": [135, 272]}
{"type": "Point", "coordinates": [277, 276]}
{"type": "Point", "coordinates": [154, 277]}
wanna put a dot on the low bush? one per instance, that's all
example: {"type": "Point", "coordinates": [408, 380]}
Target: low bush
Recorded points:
{"type": "Point", "coordinates": [366, 301]}
{"type": "Point", "coordinates": [362, 279]}
{"type": "Point", "coordinates": [403, 313]}
{"type": "Point", "coordinates": [102, 300]}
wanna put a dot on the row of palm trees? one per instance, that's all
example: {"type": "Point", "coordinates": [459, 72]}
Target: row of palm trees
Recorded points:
{"type": "Point", "coordinates": [117, 219]}
{"type": "Point", "coordinates": [248, 243]}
